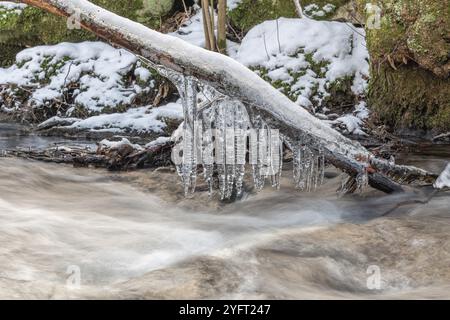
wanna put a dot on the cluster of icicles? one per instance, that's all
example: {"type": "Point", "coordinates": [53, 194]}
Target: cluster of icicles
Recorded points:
{"type": "Point", "coordinates": [239, 135]}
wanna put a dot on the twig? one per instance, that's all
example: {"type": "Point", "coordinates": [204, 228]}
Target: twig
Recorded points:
{"type": "Point", "coordinates": [185, 7]}
{"type": "Point", "coordinates": [239, 37]}
{"type": "Point", "coordinates": [265, 46]}
{"type": "Point", "coordinates": [278, 37]}
{"type": "Point", "coordinates": [65, 80]}
{"type": "Point", "coordinates": [298, 8]}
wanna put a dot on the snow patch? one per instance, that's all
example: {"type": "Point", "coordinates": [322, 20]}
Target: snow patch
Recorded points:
{"type": "Point", "coordinates": [443, 181]}
{"type": "Point", "coordinates": [314, 11]}
{"type": "Point", "coordinates": [8, 8]}
{"type": "Point", "coordinates": [353, 123]}
{"type": "Point", "coordinates": [97, 68]}
{"type": "Point", "coordinates": [114, 145]}
{"type": "Point", "coordinates": [157, 142]}
{"type": "Point", "coordinates": [8, 5]}
{"type": "Point", "coordinates": [232, 4]}
{"type": "Point", "coordinates": [287, 49]}
{"type": "Point", "coordinates": [142, 119]}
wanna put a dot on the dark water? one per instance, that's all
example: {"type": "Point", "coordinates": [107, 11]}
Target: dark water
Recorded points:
{"type": "Point", "coordinates": [85, 233]}
{"type": "Point", "coordinates": [17, 136]}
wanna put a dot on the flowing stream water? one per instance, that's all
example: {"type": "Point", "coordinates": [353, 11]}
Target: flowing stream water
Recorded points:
{"type": "Point", "coordinates": [90, 233]}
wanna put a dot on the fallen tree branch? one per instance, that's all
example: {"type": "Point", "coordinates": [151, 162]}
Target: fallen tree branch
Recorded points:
{"type": "Point", "coordinates": [230, 78]}
{"type": "Point", "coordinates": [120, 159]}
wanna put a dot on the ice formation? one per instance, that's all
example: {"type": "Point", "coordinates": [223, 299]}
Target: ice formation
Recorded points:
{"type": "Point", "coordinates": [220, 135]}
{"type": "Point", "coordinates": [443, 180]}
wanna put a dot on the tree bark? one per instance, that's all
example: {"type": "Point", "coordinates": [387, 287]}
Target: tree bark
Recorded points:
{"type": "Point", "coordinates": [233, 79]}
{"type": "Point", "coordinates": [222, 26]}
{"type": "Point", "coordinates": [205, 16]}
{"type": "Point", "coordinates": [208, 26]}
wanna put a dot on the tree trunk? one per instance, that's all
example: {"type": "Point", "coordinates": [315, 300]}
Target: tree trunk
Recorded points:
{"type": "Point", "coordinates": [205, 28]}
{"type": "Point", "coordinates": [233, 79]}
{"type": "Point", "coordinates": [208, 27]}
{"type": "Point", "coordinates": [222, 26]}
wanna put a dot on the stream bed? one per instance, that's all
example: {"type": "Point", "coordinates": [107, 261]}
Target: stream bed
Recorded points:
{"type": "Point", "coordinates": [89, 233]}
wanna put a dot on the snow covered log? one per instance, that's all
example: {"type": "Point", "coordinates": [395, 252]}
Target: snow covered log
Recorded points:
{"type": "Point", "coordinates": [232, 79]}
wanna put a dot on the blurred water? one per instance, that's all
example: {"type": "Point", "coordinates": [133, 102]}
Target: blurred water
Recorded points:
{"type": "Point", "coordinates": [134, 235]}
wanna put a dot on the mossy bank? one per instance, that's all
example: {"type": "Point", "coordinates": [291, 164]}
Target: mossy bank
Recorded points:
{"type": "Point", "coordinates": [32, 26]}
{"type": "Point", "coordinates": [250, 13]}
{"type": "Point", "coordinates": [409, 46]}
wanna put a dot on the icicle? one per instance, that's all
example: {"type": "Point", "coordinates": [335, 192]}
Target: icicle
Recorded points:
{"type": "Point", "coordinates": [208, 149]}
{"type": "Point", "coordinates": [276, 158]}
{"type": "Point", "coordinates": [302, 167]}
{"type": "Point", "coordinates": [296, 166]}
{"type": "Point", "coordinates": [320, 166]}
{"type": "Point", "coordinates": [207, 96]}
{"type": "Point", "coordinates": [351, 184]}
{"type": "Point", "coordinates": [362, 181]}
{"type": "Point", "coordinates": [187, 169]}
{"type": "Point", "coordinates": [308, 163]}
{"type": "Point", "coordinates": [260, 157]}
{"type": "Point", "coordinates": [220, 147]}
{"type": "Point", "coordinates": [230, 108]}
{"type": "Point", "coordinates": [263, 157]}
{"type": "Point", "coordinates": [241, 126]}
{"type": "Point", "coordinates": [308, 167]}
{"type": "Point", "coordinates": [223, 128]}
{"type": "Point", "coordinates": [266, 154]}
{"type": "Point", "coordinates": [230, 122]}
{"type": "Point", "coordinates": [362, 178]}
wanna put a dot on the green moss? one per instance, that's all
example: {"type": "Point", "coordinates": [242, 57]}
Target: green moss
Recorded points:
{"type": "Point", "coordinates": [260, 11]}
{"type": "Point", "coordinates": [416, 29]}
{"type": "Point", "coordinates": [8, 54]}
{"type": "Point", "coordinates": [156, 8]}
{"type": "Point", "coordinates": [383, 41]}
{"type": "Point", "coordinates": [410, 97]}
{"type": "Point", "coordinates": [249, 13]}
{"type": "Point", "coordinates": [339, 95]}
{"type": "Point", "coordinates": [319, 68]}
{"type": "Point", "coordinates": [283, 86]}
{"type": "Point", "coordinates": [35, 27]}
{"type": "Point", "coordinates": [411, 64]}
{"type": "Point", "coordinates": [8, 16]}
